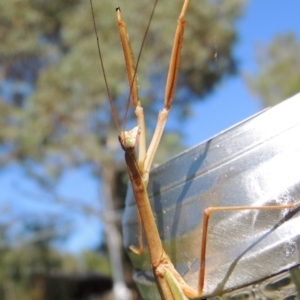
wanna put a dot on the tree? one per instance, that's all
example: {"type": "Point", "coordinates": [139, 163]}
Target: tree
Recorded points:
{"type": "Point", "coordinates": [50, 48]}
{"type": "Point", "coordinates": [279, 70]}
{"type": "Point", "coordinates": [69, 112]}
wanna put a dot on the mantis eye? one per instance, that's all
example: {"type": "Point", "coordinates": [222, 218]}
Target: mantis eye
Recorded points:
{"type": "Point", "coordinates": [130, 143]}
{"type": "Point", "coordinates": [129, 139]}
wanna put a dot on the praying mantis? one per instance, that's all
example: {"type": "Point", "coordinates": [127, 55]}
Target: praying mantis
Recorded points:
{"type": "Point", "coordinates": [170, 283]}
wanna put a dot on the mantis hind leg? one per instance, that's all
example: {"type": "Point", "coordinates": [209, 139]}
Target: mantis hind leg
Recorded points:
{"type": "Point", "coordinates": [140, 249]}
{"type": "Point", "coordinates": [206, 216]}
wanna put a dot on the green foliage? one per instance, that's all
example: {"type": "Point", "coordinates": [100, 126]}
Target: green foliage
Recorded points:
{"type": "Point", "coordinates": [24, 272]}
{"type": "Point", "coordinates": [96, 262]}
{"type": "Point", "coordinates": [20, 267]}
{"type": "Point", "coordinates": [279, 70]}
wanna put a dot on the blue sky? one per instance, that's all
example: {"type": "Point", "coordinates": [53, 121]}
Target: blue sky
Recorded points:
{"type": "Point", "coordinates": [230, 103]}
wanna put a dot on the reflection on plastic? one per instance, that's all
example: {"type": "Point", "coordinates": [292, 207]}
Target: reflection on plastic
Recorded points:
{"type": "Point", "coordinates": [256, 162]}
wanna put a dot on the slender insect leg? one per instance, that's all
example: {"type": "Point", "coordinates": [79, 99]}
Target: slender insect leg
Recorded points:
{"type": "Point", "coordinates": [206, 215]}
{"type": "Point", "coordinates": [140, 249]}
{"type": "Point", "coordinates": [133, 93]}
{"type": "Point", "coordinates": [170, 89]}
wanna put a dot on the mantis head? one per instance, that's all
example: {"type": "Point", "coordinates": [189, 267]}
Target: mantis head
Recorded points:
{"type": "Point", "coordinates": [129, 139]}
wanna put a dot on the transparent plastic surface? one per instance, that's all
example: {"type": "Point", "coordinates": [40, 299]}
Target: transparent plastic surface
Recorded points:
{"type": "Point", "coordinates": [256, 162]}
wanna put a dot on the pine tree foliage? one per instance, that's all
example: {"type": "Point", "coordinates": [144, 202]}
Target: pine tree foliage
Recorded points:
{"type": "Point", "coordinates": [278, 76]}
{"type": "Point", "coordinates": [49, 46]}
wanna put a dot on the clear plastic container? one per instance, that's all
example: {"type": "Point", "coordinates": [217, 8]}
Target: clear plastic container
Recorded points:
{"type": "Point", "coordinates": [256, 162]}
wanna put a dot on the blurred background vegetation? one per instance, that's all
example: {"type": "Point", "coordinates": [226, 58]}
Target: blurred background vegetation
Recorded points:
{"type": "Point", "coordinates": [56, 117]}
